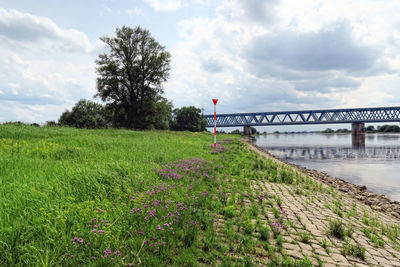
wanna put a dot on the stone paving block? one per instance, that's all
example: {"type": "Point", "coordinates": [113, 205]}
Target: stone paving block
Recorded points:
{"type": "Point", "coordinates": [295, 253]}
{"type": "Point", "coordinates": [385, 253]}
{"type": "Point", "coordinates": [327, 259]}
{"type": "Point", "coordinates": [395, 262]}
{"type": "Point", "coordinates": [291, 246]}
{"type": "Point", "coordinates": [311, 227]}
{"type": "Point", "coordinates": [321, 251]}
{"type": "Point", "coordinates": [361, 265]}
{"type": "Point", "coordinates": [304, 246]}
{"type": "Point", "coordinates": [339, 258]}
{"type": "Point", "coordinates": [382, 261]}
{"type": "Point", "coordinates": [374, 253]}
{"type": "Point", "coordinates": [313, 260]}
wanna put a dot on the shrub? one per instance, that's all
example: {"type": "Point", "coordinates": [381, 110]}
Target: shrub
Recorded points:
{"type": "Point", "coordinates": [264, 233]}
{"type": "Point", "coordinates": [85, 114]}
{"type": "Point", "coordinates": [188, 119]}
{"type": "Point", "coordinates": [248, 227]}
{"type": "Point", "coordinates": [229, 211]}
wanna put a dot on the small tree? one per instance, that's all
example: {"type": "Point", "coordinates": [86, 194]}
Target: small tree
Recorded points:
{"type": "Point", "coordinates": [85, 114]}
{"type": "Point", "coordinates": [188, 119]}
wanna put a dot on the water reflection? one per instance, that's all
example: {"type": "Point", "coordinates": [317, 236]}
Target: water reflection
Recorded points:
{"type": "Point", "coordinates": [344, 153]}
{"type": "Point", "coordinates": [358, 142]}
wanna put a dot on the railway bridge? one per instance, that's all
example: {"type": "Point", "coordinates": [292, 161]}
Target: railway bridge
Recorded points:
{"type": "Point", "coordinates": [357, 117]}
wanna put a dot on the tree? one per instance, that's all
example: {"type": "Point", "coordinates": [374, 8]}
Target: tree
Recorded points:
{"type": "Point", "coordinates": [328, 130]}
{"type": "Point", "coordinates": [370, 129]}
{"type": "Point", "coordinates": [85, 114]}
{"type": "Point", "coordinates": [188, 119]}
{"type": "Point", "coordinates": [254, 130]}
{"type": "Point", "coordinates": [236, 132]}
{"type": "Point", "coordinates": [130, 78]}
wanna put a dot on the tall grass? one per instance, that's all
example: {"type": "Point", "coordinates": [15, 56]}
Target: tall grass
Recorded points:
{"type": "Point", "coordinates": [74, 197]}
{"type": "Point", "coordinates": [53, 180]}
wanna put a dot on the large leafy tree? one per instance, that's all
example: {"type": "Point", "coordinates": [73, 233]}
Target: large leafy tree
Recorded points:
{"type": "Point", "coordinates": [130, 78]}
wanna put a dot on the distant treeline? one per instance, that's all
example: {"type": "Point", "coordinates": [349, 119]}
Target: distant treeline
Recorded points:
{"type": "Point", "coordinates": [91, 115]}
{"type": "Point", "coordinates": [368, 129]}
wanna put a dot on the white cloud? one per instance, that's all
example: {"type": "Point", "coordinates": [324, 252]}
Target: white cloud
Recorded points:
{"type": "Point", "coordinates": [136, 11]}
{"type": "Point", "coordinates": [289, 54]}
{"type": "Point", "coordinates": [25, 29]}
{"type": "Point", "coordinates": [165, 5]}
{"type": "Point", "coordinates": [44, 69]}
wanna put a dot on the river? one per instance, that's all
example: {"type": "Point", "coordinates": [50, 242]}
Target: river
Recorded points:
{"type": "Point", "coordinates": [375, 163]}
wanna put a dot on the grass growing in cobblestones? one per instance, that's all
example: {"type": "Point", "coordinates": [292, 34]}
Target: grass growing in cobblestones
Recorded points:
{"type": "Point", "coordinates": [353, 250]}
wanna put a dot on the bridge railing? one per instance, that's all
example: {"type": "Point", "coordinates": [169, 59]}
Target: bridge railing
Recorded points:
{"type": "Point", "coordinates": [354, 115]}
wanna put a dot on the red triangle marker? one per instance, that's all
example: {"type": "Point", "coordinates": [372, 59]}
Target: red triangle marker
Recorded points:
{"type": "Point", "coordinates": [215, 101]}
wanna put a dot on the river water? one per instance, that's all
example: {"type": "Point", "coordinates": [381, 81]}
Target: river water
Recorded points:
{"type": "Point", "coordinates": [374, 163]}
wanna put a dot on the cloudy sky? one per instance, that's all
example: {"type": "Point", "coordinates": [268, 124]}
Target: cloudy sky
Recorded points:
{"type": "Point", "coordinates": [253, 55]}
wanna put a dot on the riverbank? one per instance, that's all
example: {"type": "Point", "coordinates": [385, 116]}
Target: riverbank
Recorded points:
{"type": "Point", "coordinates": [159, 198]}
{"type": "Point", "coordinates": [367, 221]}
{"type": "Point", "coordinates": [377, 202]}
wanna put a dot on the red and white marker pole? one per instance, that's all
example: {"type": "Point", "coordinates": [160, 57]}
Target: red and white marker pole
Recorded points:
{"type": "Point", "coordinates": [215, 122]}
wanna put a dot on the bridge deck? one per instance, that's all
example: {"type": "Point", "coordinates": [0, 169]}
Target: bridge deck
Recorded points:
{"type": "Point", "coordinates": [353, 115]}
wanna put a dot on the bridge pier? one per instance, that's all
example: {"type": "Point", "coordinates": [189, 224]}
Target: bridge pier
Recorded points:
{"type": "Point", "coordinates": [358, 128]}
{"type": "Point", "coordinates": [358, 135]}
{"type": "Point", "coordinates": [246, 130]}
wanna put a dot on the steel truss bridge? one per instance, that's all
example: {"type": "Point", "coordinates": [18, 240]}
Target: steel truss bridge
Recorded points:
{"type": "Point", "coordinates": [323, 116]}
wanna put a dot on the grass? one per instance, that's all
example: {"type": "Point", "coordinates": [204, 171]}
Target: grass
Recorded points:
{"type": "Point", "coordinates": [305, 237]}
{"type": "Point", "coordinates": [353, 250]}
{"type": "Point", "coordinates": [324, 244]}
{"type": "Point", "coordinates": [74, 197]}
{"type": "Point", "coordinates": [338, 229]}
{"type": "Point", "coordinates": [229, 211]}
{"type": "Point", "coordinates": [101, 197]}
{"type": "Point", "coordinates": [264, 233]}
{"type": "Point", "coordinates": [57, 180]}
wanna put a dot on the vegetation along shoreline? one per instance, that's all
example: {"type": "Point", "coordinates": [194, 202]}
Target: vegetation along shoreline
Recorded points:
{"type": "Point", "coordinates": [161, 198]}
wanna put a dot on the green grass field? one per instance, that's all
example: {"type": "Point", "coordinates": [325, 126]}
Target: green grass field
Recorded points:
{"type": "Point", "coordinates": [118, 197]}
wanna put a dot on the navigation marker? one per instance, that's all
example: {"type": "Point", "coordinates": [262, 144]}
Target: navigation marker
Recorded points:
{"type": "Point", "coordinates": [215, 122]}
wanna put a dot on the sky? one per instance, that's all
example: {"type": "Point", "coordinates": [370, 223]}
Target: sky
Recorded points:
{"type": "Point", "coordinates": [252, 55]}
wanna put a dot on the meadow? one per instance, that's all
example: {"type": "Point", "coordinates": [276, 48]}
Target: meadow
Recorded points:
{"type": "Point", "coordinates": [109, 197]}
{"type": "Point", "coordinates": [56, 180]}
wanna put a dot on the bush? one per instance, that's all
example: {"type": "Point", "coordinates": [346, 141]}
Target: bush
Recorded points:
{"type": "Point", "coordinates": [85, 114]}
{"type": "Point", "coordinates": [188, 119]}
{"type": "Point", "coordinates": [248, 227]}
{"type": "Point", "coordinates": [51, 123]}
{"type": "Point", "coordinates": [264, 233]}
{"type": "Point", "coordinates": [229, 211]}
